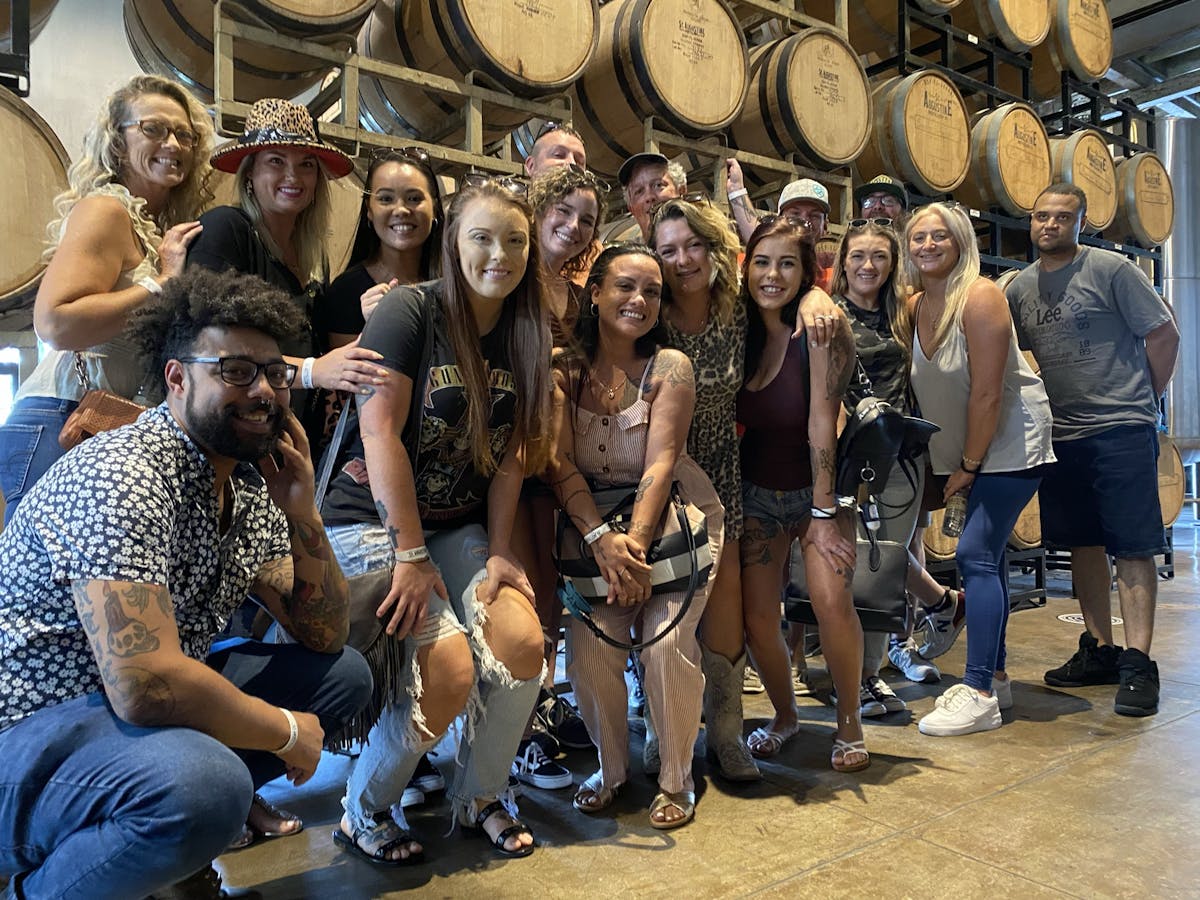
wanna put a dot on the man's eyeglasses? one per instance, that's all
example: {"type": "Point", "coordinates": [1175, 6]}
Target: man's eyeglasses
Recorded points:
{"type": "Point", "coordinates": [160, 131]}
{"type": "Point", "coordinates": [863, 223]}
{"type": "Point", "coordinates": [510, 183]}
{"type": "Point", "coordinates": [399, 154]}
{"type": "Point", "coordinates": [239, 371]}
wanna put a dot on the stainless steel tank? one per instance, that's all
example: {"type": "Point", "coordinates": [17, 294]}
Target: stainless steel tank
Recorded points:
{"type": "Point", "coordinates": [1181, 280]}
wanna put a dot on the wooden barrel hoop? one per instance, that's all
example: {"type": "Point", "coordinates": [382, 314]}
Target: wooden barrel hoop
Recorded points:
{"type": "Point", "coordinates": [1170, 480]}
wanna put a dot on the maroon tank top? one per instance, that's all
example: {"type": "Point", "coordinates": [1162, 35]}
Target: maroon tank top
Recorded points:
{"type": "Point", "coordinates": [775, 444]}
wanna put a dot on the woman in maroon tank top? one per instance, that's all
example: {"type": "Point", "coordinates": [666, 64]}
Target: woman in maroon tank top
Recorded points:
{"type": "Point", "coordinates": [789, 407]}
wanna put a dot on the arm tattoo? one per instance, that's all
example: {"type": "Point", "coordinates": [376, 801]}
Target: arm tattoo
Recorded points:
{"type": "Point", "coordinates": [641, 530]}
{"type": "Point", "coordinates": [393, 532]}
{"type": "Point", "coordinates": [126, 636]}
{"type": "Point", "coordinates": [642, 488]}
{"type": "Point", "coordinates": [674, 369]}
{"type": "Point", "coordinates": [826, 460]}
{"type": "Point", "coordinates": [136, 688]}
{"type": "Point", "coordinates": [841, 362]}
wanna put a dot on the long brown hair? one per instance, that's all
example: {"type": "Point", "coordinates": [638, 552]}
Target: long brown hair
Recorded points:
{"type": "Point", "coordinates": [526, 338]}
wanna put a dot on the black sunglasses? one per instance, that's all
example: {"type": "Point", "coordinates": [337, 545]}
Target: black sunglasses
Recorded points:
{"type": "Point", "coordinates": [863, 223]}
{"type": "Point", "coordinates": [510, 183]}
{"type": "Point", "coordinates": [387, 154]}
{"type": "Point", "coordinates": [591, 177]}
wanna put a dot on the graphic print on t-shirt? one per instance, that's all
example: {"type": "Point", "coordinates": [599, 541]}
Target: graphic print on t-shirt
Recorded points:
{"type": "Point", "coordinates": [1060, 326]}
{"type": "Point", "coordinates": [447, 482]}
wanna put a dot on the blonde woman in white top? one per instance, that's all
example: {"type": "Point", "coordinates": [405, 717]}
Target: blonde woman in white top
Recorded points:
{"type": "Point", "coordinates": [970, 378]}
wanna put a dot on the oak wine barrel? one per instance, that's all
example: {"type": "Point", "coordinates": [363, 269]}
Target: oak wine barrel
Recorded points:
{"type": "Point", "coordinates": [39, 12]}
{"type": "Point", "coordinates": [808, 95]}
{"type": "Point", "coordinates": [938, 547]}
{"type": "Point", "coordinates": [34, 173]}
{"type": "Point", "coordinates": [1145, 201]}
{"type": "Point", "coordinates": [529, 50]}
{"type": "Point", "coordinates": [1170, 480]}
{"type": "Point", "coordinates": [1010, 159]}
{"type": "Point", "coordinates": [921, 133]}
{"type": "Point", "coordinates": [1027, 533]}
{"type": "Point", "coordinates": [873, 24]}
{"type": "Point", "coordinates": [1084, 160]}
{"type": "Point", "coordinates": [1080, 42]}
{"type": "Point", "coordinates": [1019, 25]}
{"type": "Point", "coordinates": [174, 38]}
{"type": "Point", "coordinates": [619, 230]}
{"type": "Point", "coordinates": [682, 61]}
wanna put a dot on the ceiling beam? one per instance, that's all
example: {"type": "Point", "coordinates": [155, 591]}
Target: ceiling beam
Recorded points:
{"type": "Point", "coordinates": [1167, 90]}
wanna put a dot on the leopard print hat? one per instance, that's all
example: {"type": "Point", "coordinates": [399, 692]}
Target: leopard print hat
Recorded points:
{"type": "Point", "coordinates": [281, 123]}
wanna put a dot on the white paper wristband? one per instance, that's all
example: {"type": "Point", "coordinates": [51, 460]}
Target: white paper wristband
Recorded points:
{"type": "Point", "coordinates": [149, 284]}
{"type": "Point", "coordinates": [306, 368]}
{"type": "Point", "coordinates": [740, 192]}
{"type": "Point", "coordinates": [295, 732]}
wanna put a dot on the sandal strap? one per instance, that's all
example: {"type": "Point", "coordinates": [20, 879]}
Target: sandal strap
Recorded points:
{"type": "Point", "coordinates": [382, 823]}
{"type": "Point", "coordinates": [272, 810]}
{"type": "Point", "coordinates": [511, 831]}
{"type": "Point", "coordinates": [490, 810]}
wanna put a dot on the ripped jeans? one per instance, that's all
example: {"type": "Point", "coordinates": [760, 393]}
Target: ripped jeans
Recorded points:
{"type": "Point", "coordinates": [498, 707]}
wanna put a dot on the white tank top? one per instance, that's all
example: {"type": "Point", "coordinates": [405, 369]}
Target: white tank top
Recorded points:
{"type": "Point", "coordinates": [942, 385]}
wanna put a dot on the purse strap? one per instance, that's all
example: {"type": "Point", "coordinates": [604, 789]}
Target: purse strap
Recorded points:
{"type": "Point", "coordinates": [81, 373]}
{"type": "Point", "coordinates": [582, 610]}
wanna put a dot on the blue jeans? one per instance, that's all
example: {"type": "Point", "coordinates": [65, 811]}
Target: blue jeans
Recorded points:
{"type": "Point", "coordinates": [29, 445]}
{"type": "Point", "coordinates": [993, 506]}
{"type": "Point", "coordinates": [91, 806]}
{"type": "Point", "coordinates": [499, 705]}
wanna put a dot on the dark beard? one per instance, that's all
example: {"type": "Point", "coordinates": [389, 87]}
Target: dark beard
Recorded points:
{"type": "Point", "coordinates": [216, 432]}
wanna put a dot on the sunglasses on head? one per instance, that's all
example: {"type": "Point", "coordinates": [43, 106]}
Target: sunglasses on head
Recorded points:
{"type": "Point", "coordinates": [590, 177]}
{"type": "Point", "coordinates": [510, 183]}
{"type": "Point", "coordinates": [389, 154]}
{"type": "Point", "coordinates": [863, 223]}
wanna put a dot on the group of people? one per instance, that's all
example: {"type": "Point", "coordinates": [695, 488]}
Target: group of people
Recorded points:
{"type": "Point", "coordinates": [491, 365]}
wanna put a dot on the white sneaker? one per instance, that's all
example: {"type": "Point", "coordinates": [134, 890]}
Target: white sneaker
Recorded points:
{"type": "Point", "coordinates": [800, 685]}
{"type": "Point", "coordinates": [961, 710]}
{"type": "Point", "coordinates": [912, 664]}
{"type": "Point", "coordinates": [751, 682]}
{"type": "Point", "coordinates": [883, 693]}
{"type": "Point", "coordinates": [1002, 691]}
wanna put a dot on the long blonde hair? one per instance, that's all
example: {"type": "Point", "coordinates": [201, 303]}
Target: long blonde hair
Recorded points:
{"type": "Point", "coordinates": [962, 276]}
{"type": "Point", "coordinates": [103, 155]}
{"type": "Point", "coordinates": [311, 225]}
{"type": "Point", "coordinates": [711, 226]}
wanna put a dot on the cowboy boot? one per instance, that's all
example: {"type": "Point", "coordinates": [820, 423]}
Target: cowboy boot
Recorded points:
{"type": "Point", "coordinates": [723, 716]}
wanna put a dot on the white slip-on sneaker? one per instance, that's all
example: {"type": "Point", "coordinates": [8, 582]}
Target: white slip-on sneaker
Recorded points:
{"type": "Point", "coordinates": [961, 710]}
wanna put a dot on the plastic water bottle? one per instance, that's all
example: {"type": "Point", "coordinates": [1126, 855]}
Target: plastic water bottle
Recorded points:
{"type": "Point", "coordinates": [956, 515]}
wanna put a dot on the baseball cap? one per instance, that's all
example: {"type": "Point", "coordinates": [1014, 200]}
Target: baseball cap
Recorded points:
{"type": "Point", "coordinates": [628, 167]}
{"type": "Point", "coordinates": [881, 184]}
{"type": "Point", "coordinates": [805, 189]}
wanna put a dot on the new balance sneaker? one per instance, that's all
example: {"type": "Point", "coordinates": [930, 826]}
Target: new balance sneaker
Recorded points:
{"type": "Point", "coordinates": [882, 693]}
{"type": "Point", "coordinates": [940, 625]}
{"type": "Point", "coordinates": [909, 661]}
{"type": "Point", "coordinates": [561, 721]}
{"type": "Point", "coordinates": [427, 777]}
{"type": "Point", "coordinates": [1091, 664]}
{"type": "Point", "coordinates": [533, 767]}
{"type": "Point", "coordinates": [1002, 691]}
{"type": "Point", "coordinates": [751, 683]}
{"type": "Point", "coordinates": [961, 710]}
{"type": "Point", "coordinates": [1138, 693]}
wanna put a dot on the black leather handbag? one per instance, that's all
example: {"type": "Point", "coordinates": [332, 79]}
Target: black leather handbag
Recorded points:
{"type": "Point", "coordinates": [880, 598]}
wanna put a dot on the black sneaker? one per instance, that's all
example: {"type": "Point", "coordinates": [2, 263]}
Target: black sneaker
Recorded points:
{"type": "Point", "coordinates": [1091, 664]}
{"type": "Point", "coordinates": [561, 721]}
{"type": "Point", "coordinates": [427, 778]}
{"type": "Point", "coordinates": [1138, 693]}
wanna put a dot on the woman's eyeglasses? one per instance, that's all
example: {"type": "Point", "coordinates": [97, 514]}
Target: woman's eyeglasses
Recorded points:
{"type": "Point", "coordinates": [863, 223]}
{"type": "Point", "coordinates": [160, 131]}
{"type": "Point", "coordinates": [510, 183]}
{"type": "Point", "coordinates": [239, 371]}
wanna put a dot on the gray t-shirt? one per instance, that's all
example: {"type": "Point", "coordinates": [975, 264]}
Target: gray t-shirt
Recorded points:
{"type": "Point", "coordinates": [1086, 324]}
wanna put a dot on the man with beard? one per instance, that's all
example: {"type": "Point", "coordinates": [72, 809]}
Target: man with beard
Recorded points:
{"type": "Point", "coordinates": [131, 751]}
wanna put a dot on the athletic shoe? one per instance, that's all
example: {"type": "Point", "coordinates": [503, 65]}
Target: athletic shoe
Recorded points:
{"type": "Point", "coordinates": [561, 721]}
{"type": "Point", "coordinates": [940, 625]}
{"type": "Point", "coordinates": [1002, 691]}
{"type": "Point", "coordinates": [908, 660]}
{"type": "Point", "coordinates": [800, 685]}
{"type": "Point", "coordinates": [1138, 693]}
{"type": "Point", "coordinates": [961, 710]}
{"type": "Point", "coordinates": [868, 706]}
{"type": "Point", "coordinates": [412, 796]}
{"type": "Point", "coordinates": [533, 767]}
{"type": "Point", "coordinates": [882, 693]}
{"type": "Point", "coordinates": [1091, 664]}
{"type": "Point", "coordinates": [751, 683]}
{"type": "Point", "coordinates": [427, 777]}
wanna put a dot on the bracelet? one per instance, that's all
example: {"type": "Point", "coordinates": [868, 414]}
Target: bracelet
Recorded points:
{"type": "Point", "coordinates": [149, 284]}
{"type": "Point", "coordinates": [306, 368]}
{"type": "Point", "coordinates": [295, 732]}
{"type": "Point", "coordinates": [415, 555]}
{"type": "Point", "coordinates": [733, 195]}
{"type": "Point", "coordinates": [596, 533]}
{"type": "Point", "coordinates": [967, 469]}
{"type": "Point", "coordinates": [972, 462]}
{"type": "Point", "coordinates": [818, 513]}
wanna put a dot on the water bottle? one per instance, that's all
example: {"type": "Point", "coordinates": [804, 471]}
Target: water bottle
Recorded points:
{"type": "Point", "coordinates": [956, 515]}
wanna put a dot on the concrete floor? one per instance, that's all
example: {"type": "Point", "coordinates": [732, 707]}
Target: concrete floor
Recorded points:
{"type": "Point", "coordinates": [1066, 800]}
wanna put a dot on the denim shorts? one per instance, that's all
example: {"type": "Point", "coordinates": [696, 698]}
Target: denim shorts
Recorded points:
{"type": "Point", "coordinates": [786, 509]}
{"type": "Point", "coordinates": [1103, 492]}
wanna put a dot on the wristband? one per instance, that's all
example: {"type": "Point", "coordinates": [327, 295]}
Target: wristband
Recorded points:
{"type": "Point", "coordinates": [974, 471]}
{"type": "Point", "coordinates": [149, 284]}
{"type": "Point", "coordinates": [733, 195]}
{"type": "Point", "coordinates": [415, 555]}
{"type": "Point", "coordinates": [971, 462]}
{"type": "Point", "coordinates": [306, 368]}
{"type": "Point", "coordinates": [295, 732]}
{"type": "Point", "coordinates": [596, 533]}
{"type": "Point", "coordinates": [818, 513]}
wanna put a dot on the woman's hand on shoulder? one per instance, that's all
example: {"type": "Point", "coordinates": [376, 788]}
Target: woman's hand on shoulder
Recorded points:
{"type": "Point", "coordinates": [814, 315]}
{"type": "Point", "coordinates": [372, 295]}
{"type": "Point", "coordinates": [349, 368]}
{"type": "Point", "coordinates": [172, 252]}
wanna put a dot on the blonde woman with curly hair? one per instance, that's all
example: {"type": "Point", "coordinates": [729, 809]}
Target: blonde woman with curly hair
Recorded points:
{"type": "Point", "coordinates": [121, 231]}
{"type": "Point", "coordinates": [703, 318]}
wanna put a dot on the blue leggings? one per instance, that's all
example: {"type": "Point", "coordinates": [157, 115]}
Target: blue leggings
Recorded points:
{"type": "Point", "coordinates": [993, 506]}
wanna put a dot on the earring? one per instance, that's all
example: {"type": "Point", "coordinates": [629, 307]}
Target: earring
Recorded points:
{"type": "Point", "coordinates": [249, 187]}
{"type": "Point", "coordinates": [595, 309]}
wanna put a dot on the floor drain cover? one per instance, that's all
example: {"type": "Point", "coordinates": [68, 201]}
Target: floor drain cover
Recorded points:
{"type": "Point", "coordinates": [1077, 619]}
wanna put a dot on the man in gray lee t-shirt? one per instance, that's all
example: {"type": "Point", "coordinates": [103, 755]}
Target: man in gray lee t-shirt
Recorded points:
{"type": "Point", "coordinates": [1106, 344]}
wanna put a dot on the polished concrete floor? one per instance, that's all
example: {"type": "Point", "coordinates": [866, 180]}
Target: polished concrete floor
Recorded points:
{"type": "Point", "coordinates": [1066, 800]}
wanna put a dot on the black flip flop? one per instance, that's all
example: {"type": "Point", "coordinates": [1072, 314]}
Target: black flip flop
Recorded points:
{"type": "Point", "coordinates": [516, 828]}
{"type": "Point", "coordinates": [379, 857]}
